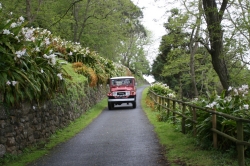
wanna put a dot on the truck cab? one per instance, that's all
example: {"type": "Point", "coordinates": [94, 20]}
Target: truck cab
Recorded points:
{"type": "Point", "coordinates": [121, 90]}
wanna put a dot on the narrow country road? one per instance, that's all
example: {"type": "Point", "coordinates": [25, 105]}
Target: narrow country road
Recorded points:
{"type": "Point", "coordinates": [119, 137]}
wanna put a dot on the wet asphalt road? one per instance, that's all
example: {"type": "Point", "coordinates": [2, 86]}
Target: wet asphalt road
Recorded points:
{"type": "Point", "coordinates": [119, 137]}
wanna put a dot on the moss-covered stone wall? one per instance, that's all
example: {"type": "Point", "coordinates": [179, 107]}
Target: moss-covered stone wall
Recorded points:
{"type": "Point", "coordinates": [32, 123]}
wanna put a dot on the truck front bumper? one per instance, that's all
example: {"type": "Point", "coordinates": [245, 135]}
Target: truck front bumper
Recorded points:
{"type": "Point", "coordinates": [121, 100]}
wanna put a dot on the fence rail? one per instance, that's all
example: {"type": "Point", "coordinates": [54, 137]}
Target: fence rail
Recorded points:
{"type": "Point", "coordinates": [165, 102]}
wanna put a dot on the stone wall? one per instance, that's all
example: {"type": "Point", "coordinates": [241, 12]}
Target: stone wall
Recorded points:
{"type": "Point", "coordinates": [34, 123]}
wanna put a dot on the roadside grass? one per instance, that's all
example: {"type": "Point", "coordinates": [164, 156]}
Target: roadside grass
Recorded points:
{"type": "Point", "coordinates": [62, 135]}
{"type": "Point", "coordinates": [181, 148]}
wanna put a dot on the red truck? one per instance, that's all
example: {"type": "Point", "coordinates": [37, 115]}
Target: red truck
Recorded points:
{"type": "Point", "coordinates": [121, 90]}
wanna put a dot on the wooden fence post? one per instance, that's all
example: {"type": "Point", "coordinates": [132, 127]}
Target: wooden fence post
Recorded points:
{"type": "Point", "coordinates": [214, 126]}
{"type": "Point", "coordinates": [154, 97]}
{"type": "Point", "coordinates": [183, 120]}
{"type": "Point", "coordinates": [174, 107]}
{"type": "Point", "coordinates": [194, 119]}
{"type": "Point", "coordinates": [168, 102]}
{"type": "Point", "coordinates": [159, 103]}
{"type": "Point", "coordinates": [240, 148]}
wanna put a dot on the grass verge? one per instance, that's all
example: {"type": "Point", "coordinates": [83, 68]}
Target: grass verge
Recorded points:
{"type": "Point", "coordinates": [180, 148]}
{"type": "Point", "coordinates": [62, 135]}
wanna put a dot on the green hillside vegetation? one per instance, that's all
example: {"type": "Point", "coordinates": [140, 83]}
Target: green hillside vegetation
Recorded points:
{"type": "Point", "coordinates": [36, 65]}
{"type": "Point", "coordinates": [74, 76]}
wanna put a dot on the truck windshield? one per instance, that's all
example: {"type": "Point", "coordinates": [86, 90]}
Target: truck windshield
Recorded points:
{"type": "Point", "coordinates": [121, 82]}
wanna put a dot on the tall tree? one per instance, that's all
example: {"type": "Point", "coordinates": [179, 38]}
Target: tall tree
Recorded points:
{"type": "Point", "coordinates": [213, 17]}
{"type": "Point", "coordinates": [173, 53]}
{"type": "Point", "coordinates": [195, 34]}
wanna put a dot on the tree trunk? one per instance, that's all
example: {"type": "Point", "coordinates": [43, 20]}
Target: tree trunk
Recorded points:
{"type": "Point", "coordinates": [28, 10]}
{"type": "Point", "coordinates": [194, 48]}
{"type": "Point", "coordinates": [75, 12]}
{"type": "Point", "coordinates": [192, 72]}
{"type": "Point", "coordinates": [85, 18]}
{"type": "Point", "coordinates": [213, 19]}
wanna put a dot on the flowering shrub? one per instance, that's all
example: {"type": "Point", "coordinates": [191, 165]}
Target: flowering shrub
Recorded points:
{"type": "Point", "coordinates": [28, 66]}
{"type": "Point", "coordinates": [236, 103]}
{"type": "Point", "coordinates": [162, 89]}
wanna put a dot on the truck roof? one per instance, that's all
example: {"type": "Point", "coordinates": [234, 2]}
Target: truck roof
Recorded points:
{"type": "Point", "coordinates": [122, 77]}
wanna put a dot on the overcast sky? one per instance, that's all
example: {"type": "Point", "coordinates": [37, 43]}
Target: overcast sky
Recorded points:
{"type": "Point", "coordinates": [154, 17]}
{"type": "Point", "coordinates": [153, 20]}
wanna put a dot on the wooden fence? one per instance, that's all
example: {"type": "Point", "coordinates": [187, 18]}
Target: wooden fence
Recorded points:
{"type": "Point", "coordinates": [165, 103]}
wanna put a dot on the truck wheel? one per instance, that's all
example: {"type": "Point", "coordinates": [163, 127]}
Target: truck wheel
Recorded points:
{"type": "Point", "coordinates": [134, 104]}
{"type": "Point", "coordinates": [110, 106]}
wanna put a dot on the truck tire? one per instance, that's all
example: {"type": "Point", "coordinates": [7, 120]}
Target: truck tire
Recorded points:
{"type": "Point", "coordinates": [134, 104]}
{"type": "Point", "coordinates": [110, 105]}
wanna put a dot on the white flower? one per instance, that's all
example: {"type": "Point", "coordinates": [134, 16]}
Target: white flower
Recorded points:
{"type": "Point", "coordinates": [244, 87]}
{"type": "Point", "coordinates": [28, 33]}
{"type": "Point", "coordinates": [37, 49]}
{"type": "Point", "coordinates": [32, 39]}
{"type": "Point", "coordinates": [53, 61]}
{"type": "Point", "coordinates": [46, 56]}
{"type": "Point", "coordinates": [211, 105]}
{"type": "Point", "coordinates": [14, 83]}
{"type": "Point", "coordinates": [227, 99]}
{"type": "Point", "coordinates": [70, 53]}
{"type": "Point", "coordinates": [21, 19]}
{"type": "Point", "coordinates": [52, 56]}
{"type": "Point", "coordinates": [20, 53]}
{"type": "Point", "coordinates": [236, 92]}
{"type": "Point", "coordinates": [13, 25]}
{"type": "Point", "coordinates": [42, 71]}
{"type": "Point", "coordinates": [171, 95]}
{"type": "Point", "coordinates": [6, 31]}
{"type": "Point", "coordinates": [47, 42]}
{"type": "Point", "coordinates": [16, 37]}
{"type": "Point", "coordinates": [230, 88]}
{"type": "Point", "coordinates": [60, 76]}
{"type": "Point", "coordinates": [34, 107]}
{"type": "Point", "coordinates": [246, 106]}
{"type": "Point", "coordinates": [8, 82]}
{"type": "Point", "coordinates": [1, 6]}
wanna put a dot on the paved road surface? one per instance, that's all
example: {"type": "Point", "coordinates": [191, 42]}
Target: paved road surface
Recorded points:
{"type": "Point", "coordinates": [119, 137]}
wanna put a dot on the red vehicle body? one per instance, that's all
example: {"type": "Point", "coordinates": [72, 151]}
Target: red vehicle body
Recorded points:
{"type": "Point", "coordinates": [122, 90]}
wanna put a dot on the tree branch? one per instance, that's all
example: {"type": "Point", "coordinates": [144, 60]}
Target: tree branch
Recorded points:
{"type": "Point", "coordinates": [222, 9]}
{"type": "Point", "coordinates": [72, 4]}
